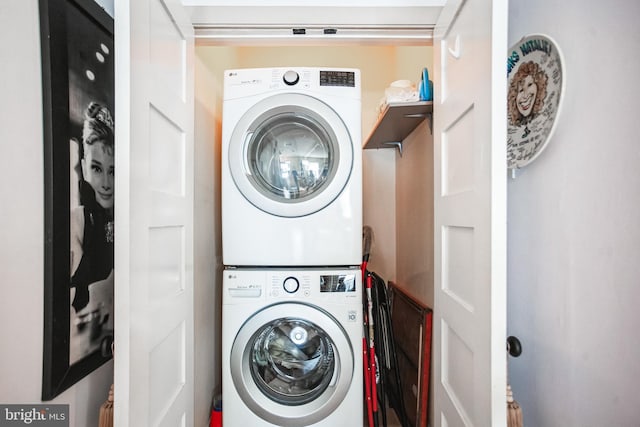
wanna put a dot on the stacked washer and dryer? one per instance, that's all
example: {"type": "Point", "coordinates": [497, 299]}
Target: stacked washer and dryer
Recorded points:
{"type": "Point", "coordinates": [292, 248]}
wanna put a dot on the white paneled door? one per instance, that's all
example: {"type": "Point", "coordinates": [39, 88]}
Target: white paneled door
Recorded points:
{"type": "Point", "coordinates": [470, 214]}
{"type": "Point", "coordinates": [154, 214]}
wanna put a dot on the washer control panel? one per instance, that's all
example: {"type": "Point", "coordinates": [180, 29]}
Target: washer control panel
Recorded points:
{"type": "Point", "coordinates": [247, 285]}
{"type": "Point", "coordinates": [305, 284]}
{"type": "Point", "coordinates": [290, 283]}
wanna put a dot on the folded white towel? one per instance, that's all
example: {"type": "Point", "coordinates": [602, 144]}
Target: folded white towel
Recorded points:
{"type": "Point", "coordinates": [401, 91]}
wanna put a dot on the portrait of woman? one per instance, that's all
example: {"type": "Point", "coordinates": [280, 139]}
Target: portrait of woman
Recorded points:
{"type": "Point", "coordinates": [92, 234]}
{"type": "Point", "coordinates": [527, 93]}
{"type": "Point", "coordinates": [535, 86]}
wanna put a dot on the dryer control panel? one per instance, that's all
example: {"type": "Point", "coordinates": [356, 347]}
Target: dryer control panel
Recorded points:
{"type": "Point", "coordinates": [337, 78]}
{"type": "Point", "coordinates": [245, 82]}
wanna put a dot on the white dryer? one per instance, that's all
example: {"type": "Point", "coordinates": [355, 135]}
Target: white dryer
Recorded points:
{"type": "Point", "coordinates": [292, 348]}
{"type": "Point", "coordinates": [291, 167]}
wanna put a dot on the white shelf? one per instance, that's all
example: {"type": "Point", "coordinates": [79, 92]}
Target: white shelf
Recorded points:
{"type": "Point", "coordinates": [396, 122]}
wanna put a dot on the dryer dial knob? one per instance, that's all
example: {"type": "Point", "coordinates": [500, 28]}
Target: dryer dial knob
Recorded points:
{"type": "Point", "coordinates": [291, 77]}
{"type": "Point", "coordinates": [291, 285]}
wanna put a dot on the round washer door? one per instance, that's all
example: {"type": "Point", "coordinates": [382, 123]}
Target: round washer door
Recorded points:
{"type": "Point", "coordinates": [292, 370]}
{"type": "Point", "coordinates": [290, 155]}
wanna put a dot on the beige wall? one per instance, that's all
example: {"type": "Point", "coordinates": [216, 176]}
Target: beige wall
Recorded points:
{"type": "Point", "coordinates": [414, 214]}
{"type": "Point", "coordinates": [207, 249]}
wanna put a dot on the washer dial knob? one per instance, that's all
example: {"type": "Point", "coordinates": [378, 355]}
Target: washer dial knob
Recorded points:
{"type": "Point", "coordinates": [291, 285]}
{"type": "Point", "coordinates": [291, 77]}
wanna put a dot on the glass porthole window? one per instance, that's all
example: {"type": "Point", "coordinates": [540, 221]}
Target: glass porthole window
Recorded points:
{"type": "Point", "coordinates": [292, 361]}
{"type": "Point", "coordinates": [291, 156]}
{"type": "Point", "coordinates": [292, 364]}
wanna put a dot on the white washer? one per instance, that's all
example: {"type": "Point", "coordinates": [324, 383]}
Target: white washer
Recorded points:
{"type": "Point", "coordinates": [291, 167]}
{"type": "Point", "coordinates": [292, 348]}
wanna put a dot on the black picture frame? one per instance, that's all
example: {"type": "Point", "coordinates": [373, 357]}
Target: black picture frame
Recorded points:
{"type": "Point", "coordinates": [77, 68]}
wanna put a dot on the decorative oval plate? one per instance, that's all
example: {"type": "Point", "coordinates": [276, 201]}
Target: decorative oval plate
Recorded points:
{"type": "Point", "coordinates": [535, 87]}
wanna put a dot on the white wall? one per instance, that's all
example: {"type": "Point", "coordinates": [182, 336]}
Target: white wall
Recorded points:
{"type": "Point", "coordinates": [21, 224]}
{"type": "Point", "coordinates": [574, 234]}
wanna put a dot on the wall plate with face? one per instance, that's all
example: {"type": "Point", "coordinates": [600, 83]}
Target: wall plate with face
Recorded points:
{"type": "Point", "coordinates": [535, 86]}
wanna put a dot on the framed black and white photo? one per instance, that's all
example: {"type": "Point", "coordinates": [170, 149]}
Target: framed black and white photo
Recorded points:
{"type": "Point", "coordinates": [78, 100]}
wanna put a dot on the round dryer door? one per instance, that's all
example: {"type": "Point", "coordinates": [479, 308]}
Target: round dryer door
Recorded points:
{"type": "Point", "coordinates": [292, 370]}
{"type": "Point", "coordinates": [290, 155]}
